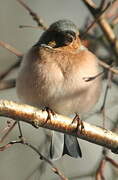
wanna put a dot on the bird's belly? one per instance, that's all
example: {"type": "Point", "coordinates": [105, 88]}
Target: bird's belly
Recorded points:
{"type": "Point", "coordinates": [69, 101]}
{"type": "Point", "coordinates": [75, 103]}
{"type": "Point", "coordinates": [61, 99]}
{"type": "Point", "coordinates": [52, 89]}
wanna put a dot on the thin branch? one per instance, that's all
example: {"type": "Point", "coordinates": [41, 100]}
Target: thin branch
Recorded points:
{"type": "Point", "coordinates": [28, 26]}
{"type": "Point", "coordinates": [114, 163]}
{"type": "Point", "coordinates": [54, 168]}
{"type": "Point", "coordinates": [115, 20]}
{"type": "Point", "coordinates": [36, 18]}
{"type": "Point", "coordinates": [106, 66]}
{"type": "Point", "coordinates": [112, 10]}
{"type": "Point", "coordinates": [103, 110]}
{"type": "Point", "coordinates": [6, 84]}
{"type": "Point", "coordinates": [83, 34]}
{"type": "Point", "coordinates": [91, 3]}
{"type": "Point", "coordinates": [9, 83]}
{"type": "Point", "coordinates": [105, 27]}
{"type": "Point", "coordinates": [11, 49]}
{"type": "Point", "coordinates": [60, 123]}
{"type": "Point", "coordinates": [100, 170]}
{"type": "Point", "coordinates": [9, 129]}
{"type": "Point", "coordinates": [10, 69]}
{"type": "Point", "coordinates": [102, 5]}
{"type": "Point", "coordinates": [111, 37]}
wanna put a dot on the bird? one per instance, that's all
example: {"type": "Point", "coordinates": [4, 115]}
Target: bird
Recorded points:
{"type": "Point", "coordinates": [58, 72]}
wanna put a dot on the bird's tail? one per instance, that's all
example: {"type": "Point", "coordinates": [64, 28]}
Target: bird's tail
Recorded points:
{"type": "Point", "coordinates": [64, 144]}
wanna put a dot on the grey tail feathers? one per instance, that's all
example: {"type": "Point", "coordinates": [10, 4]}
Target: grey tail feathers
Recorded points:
{"type": "Point", "coordinates": [71, 146]}
{"type": "Point", "coordinates": [64, 144]}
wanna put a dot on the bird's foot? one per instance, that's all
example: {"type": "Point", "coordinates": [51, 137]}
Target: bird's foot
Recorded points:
{"type": "Point", "coordinates": [79, 123]}
{"type": "Point", "coordinates": [49, 112]}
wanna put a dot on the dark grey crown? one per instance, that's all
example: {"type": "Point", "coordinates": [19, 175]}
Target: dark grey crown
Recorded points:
{"type": "Point", "coordinates": [64, 25]}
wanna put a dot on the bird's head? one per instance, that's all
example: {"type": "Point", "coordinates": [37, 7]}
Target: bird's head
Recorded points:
{"type": "Point", "coordinates": [60, 33]}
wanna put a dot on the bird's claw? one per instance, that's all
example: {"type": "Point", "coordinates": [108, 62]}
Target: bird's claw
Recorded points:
{"type": "Point", "coordinates": [49, 112]}
{"type": "Point", "coordinates": [79, 122]}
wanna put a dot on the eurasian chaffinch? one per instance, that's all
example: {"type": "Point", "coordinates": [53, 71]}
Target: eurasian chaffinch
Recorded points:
{"type": "Point", "coordinates": [53, 74]}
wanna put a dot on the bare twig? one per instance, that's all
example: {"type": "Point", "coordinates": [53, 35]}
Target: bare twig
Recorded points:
{"type": "Point", "coordinates": [60, 123]}
{"type": "Point", "coordinates": [10, 83]}
{"type": "Point", "coordinates": [29, 26]}
{"type": "Point", "coordinates": [91, 3]}
{"type": "Point", "coordinates": [9, 129]}
{"type": "Point", "coordinates": [9, 124]}
{"type": "Point", "coordinates": [112, 10]}
{"type": "Point", "coordinates": [10, 69]}
{"type": "Point", "coordinates": [106, 66]}
{"type": "Point", "coordinates": [95, 20]}
{"type": "Point", "coordinates": [105, 159]}
{"type": "Point", "coordinates": [105, 27]}
{"type": "Point", "coordinates": [115, 20]}
{"type": "Point", "coordinates": [110, 76]}
{"type": "Point", "coordinates": [11, 49]}
{"type": "Point", "coordinates": [100, 171]}
{"type": "Point", "coordinates": [6, 84]}
{"type": "Point", "coordinates": [114, 163]}
{"type": "Point", "coordinates": [36, 18]}
{"type": "Point", "coordinates": [109, 34]}
{"type": "Point", "coordinates": [102, 5]}
{"type": "Point", "coordinates": [54, 168]}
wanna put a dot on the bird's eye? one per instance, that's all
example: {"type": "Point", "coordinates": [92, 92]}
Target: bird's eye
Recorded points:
{"type": "Point", "coordinates": [69, 36]}
{"type": "Point", "coordinates": [63, 38]}
{"type": "Point", "coordinates": [68, 39]}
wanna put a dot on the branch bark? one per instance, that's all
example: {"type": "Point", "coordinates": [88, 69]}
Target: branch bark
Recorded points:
{"type": "Point", "coordinates": [6, 84]}
{"type": "Point", "coordinates": [11, 49]}
{"type": "Point", "coordinates": [38, 118]}
{"type": "Point", "coordinates": [104, 25]}
{"type": "Point", "coordinates": [35, 17]}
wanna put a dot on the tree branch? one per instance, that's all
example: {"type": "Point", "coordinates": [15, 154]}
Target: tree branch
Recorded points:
{"type": "Point", "coordinates": [54, 168]}
{"type": "Point", "coordinates": [11, 49]}
{"type": "Point", "coordinates": [106, 66]}
{"type": "Point", "coordinates": [104, 25]}
{"type": "Point", "coordinates": [10, 69]}
{"type": "Point", "coordinates": [6, 84]}
{"type": "Point", "coordinates": [38, 118]}
{"type": "Point", "coordinates": [36, 18]}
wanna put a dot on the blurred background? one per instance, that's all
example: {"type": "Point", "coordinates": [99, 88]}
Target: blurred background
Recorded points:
{"type": "Point", "coordinates": [20, 162]}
